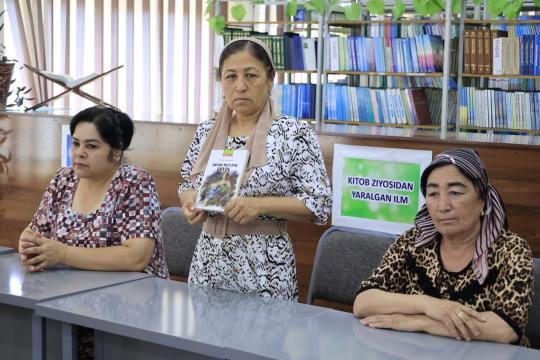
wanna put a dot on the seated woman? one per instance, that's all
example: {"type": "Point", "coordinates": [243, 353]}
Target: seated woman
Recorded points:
{"type": "Point", "coordinates": [99, 214]}
{"type": "Point", "coordinates": [458, 272]}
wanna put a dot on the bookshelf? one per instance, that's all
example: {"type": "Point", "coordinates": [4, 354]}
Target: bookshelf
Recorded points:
{"type": "Point", "coordinates": [399, 42]}
{"type": "Point", "coordinates": [504, 96]}
{"type": "Point", "coordinates": [449, 90]}
{"type": "Point", "coordinates": [293, 43]}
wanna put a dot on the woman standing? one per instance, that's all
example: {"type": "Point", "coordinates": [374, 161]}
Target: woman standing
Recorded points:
{"type": "Point", "coordinates": [247, 248]}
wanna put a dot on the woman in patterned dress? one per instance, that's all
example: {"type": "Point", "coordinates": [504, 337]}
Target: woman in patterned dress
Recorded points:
{"type": "Point", "coordinates": [458, 272]}
{"type": "Point", "coordinates": [247, 248]}
{"type": "Point", "coordinates": [99, 214]}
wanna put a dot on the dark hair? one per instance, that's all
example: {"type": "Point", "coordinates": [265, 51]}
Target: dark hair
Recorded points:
{"type": "Point", "coordinates": [254, 49]}
{"type": "Point", "coordinates": [115, 127]}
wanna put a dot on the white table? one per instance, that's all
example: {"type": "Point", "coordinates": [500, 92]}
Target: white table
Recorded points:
{"type": "Point", "coordinates": [155, 318]}
{"type": "Point", "coordinates": [23, 332]}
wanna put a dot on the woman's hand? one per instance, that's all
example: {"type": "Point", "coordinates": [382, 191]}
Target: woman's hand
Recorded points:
{"type": "Point", "coordinates": [25, 241]}
{"type": "Point", "coordinates": [243, 210]}
{"type": "Point", "coordinates": [40, 253]}
{"type": "Point", "coordinates": [192, 214]}
{"type": "Point", "coordinates": [400, 322]}
{"type": "Point", "coordinates": [460, 320]}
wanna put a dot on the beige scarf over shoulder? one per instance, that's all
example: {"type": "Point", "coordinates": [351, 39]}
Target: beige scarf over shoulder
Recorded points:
{"type": "Point", "coordinates": [219, 225]}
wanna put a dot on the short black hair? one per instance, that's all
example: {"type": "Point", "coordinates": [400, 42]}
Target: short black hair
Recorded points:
{"type": "Point", "coordinates": [115, 127]}
{"type": "Point", "coordinates": [254, 49]}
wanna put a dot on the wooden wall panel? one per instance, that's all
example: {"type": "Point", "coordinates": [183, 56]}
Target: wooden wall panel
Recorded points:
{"type": "Point", "coordinates": [34, 145]}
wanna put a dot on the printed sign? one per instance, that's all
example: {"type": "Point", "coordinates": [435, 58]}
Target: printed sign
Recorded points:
{"type": "Point", "coordinates": [377, 188]}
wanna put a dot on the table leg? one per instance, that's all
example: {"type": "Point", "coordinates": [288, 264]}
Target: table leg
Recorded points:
{"type": "Point", "coordinates": [99, 347]}
{"type": "Point", "coordinates": [69, 342]}
{"type": "Point", "coordinates": [38, 334]}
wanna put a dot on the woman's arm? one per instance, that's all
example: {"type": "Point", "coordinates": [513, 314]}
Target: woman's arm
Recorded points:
{"type": "Point", "coordinates": [132, 255]}
{"type": "Point", "coordinates": [492, 329]}
{"type": "Point", "coordinates": [244, 210]}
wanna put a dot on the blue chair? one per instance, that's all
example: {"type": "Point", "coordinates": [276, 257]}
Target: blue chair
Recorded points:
{"type": "Point", "coordinates": [345, 256]}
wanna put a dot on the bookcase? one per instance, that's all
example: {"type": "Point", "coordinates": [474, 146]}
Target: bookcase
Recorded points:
{"type": "Point", "coordinates": [463, 72]}
{"type": "Point", "coordinates": [294, 46]}
{"type": "Point", "coordinates": [498, 87]}
{"type": "Point", "coordinates": [389, 72]}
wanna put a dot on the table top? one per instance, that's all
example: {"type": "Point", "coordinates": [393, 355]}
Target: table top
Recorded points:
{"type": "Point", "coordinates": [22, 288]}
{"type": "Point", "coordinates": [178, 315]}
{"type": "Point", "coordinates": [228, 324]}
{"type": "Point", "coordinates": [6, 250]}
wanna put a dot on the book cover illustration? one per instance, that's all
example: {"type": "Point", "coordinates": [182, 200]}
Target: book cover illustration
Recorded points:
{"type": "Point", "coordinates": [222, 178]}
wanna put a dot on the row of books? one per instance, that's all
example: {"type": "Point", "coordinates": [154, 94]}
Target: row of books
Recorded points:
{"type": "Point", "coordinates": [513, 84]}
{"type": "Point", "coordinates": [399, 82]}
{"type": "Point", "coordinates": [519, 29]}
{"type": "Point", "coordinates": [420, 54]}
{"type": "Point", "coordinates": [499, 109]}
{"type": "Point", "coordinates": [402, 30]}
{"type": "Point", "coordinates": [296, 100]}
{"type": "Point", "coordinates": [380, 106]}
{"type": "Point", "coordinates": [289, 51]}
{"type": "Point", "coordinates": [491, 52]}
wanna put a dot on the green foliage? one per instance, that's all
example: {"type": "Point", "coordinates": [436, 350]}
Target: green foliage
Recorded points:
{"type": "Point", "coordinates": [376, 7]}
{"type": "Point", "coordinates": [398, 9]}
{"type": "Point", "coordinates": [217, 23]}
{"type": "Point", "coordinates": [478, 2]}
{"type": "Point", "coordinates": [512, 8]}
{"type": "Point", "coordinates": [537, 3]}
{"type": "Point", "coordinates": [315, 5]}
{"type": "Point", "coordinates": [456, 6]}
{"type": "Point", "coordinates": [292, 8]}
{"type": "Point", "coordinates": [238, 12]}
{"type": "Point", "coordinates": [352, 12]}
{"type": "Point", "coordinates": [332, 5]}
{"type": "Point", "coordinates": [495, 7]}
{"type": "Point", "coordinates": [428, 7]}
{"type": "Point", "coordinates": [209, 7]}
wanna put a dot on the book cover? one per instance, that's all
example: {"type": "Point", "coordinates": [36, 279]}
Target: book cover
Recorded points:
{"type": "Point", "coordinates": [222, 178]}
{"type": "Point", "coordinates": [67, 80]}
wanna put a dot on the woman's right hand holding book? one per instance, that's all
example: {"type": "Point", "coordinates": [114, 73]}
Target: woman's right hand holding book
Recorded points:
{"type": "Point", "coordinates": [192, 214]}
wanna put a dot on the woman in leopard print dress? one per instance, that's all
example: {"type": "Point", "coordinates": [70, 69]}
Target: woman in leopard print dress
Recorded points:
{"type": "Point", "coordinates": [247, 248]}
{"type": "Point", "coordinates": [458, 272]}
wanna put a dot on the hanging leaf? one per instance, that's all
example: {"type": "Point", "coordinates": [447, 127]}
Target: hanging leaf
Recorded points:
{"type": "Point", "coordinates": [456, 6]}
{"type": "Point", "coordinates": [428, 7]}
{"type": "Point", "coordinates": [478, 2]}
{"type": "Point", "coordinates": [209, 7]}
{"type": "Point", "coordinates": [332, 6]}
{"type": "Point", "coordinates": [537, 3]}
{"type": "Point", "coordinates": [217, 24]}
{"type": "Point", "coordinates": [512, 9]}
{"type": "Point", "coordinates": [315, 5]}
{"type": "Point", "coordinates": [495, 7]}
{"type": "Point", "coordinates": [238, 12]}
{"type": "Point", "coordinates": [352, 12]}
{"type": "Point", "coordinates": [292, 8]}
{"type": "Point", "coordinates": [376, 7]}
{"type": "Point", "coordinates": [255, 2]}
{"type": "Point", "coordinates": [398, 9]}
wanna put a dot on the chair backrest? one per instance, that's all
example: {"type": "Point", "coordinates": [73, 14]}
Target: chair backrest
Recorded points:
{"type": "Point", "coordinates": [345, 256]}
{"type": "Point", "coordinates": [179, 239]}
{"type": "Point", "coordinates": [533, 326]}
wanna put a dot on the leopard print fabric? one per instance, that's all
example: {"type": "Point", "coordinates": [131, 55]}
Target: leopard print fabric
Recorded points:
{"type": "Point", "coordinates": [507, 291]}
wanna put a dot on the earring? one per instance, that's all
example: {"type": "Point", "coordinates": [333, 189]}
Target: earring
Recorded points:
{"type": "Point", "coordinates": [482, 213]}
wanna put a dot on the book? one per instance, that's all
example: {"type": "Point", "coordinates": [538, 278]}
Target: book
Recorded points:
{"type": "Point", "coordinates": [222, 178]}
{"type": "Point", "coordinates": [67, 80]}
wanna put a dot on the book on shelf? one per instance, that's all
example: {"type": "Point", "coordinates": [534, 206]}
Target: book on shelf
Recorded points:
{"type": "Point", "coordinates": [67, 80]}
{"type": "Point", "coordinates": [221, 179]}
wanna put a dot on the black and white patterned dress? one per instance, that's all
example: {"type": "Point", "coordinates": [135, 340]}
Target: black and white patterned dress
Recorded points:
{"type": "Point", "coordinates": [262, 264]}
